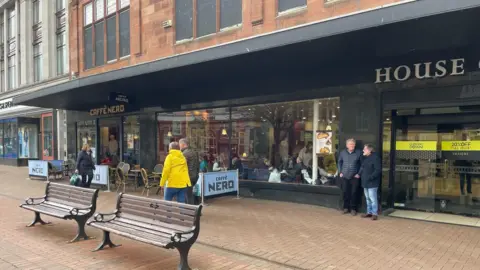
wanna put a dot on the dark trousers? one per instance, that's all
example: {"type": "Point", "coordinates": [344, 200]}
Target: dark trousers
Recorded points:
{"type": "Point", "coordinates": [468, 177]}
{"type": "Point", "coordinates": [191, 199]}
{"type": "Point", "coordinates": [87, 180]}
{"type": "Point", "coordinates": [350, 189]}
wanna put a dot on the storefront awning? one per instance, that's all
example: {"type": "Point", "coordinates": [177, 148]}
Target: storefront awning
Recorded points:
{"type": "Point", "coordinates": [339, 51]}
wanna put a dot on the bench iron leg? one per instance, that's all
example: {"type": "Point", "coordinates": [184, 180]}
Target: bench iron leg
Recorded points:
{"type": "Point", "coordinates": [106, 241]}
{"type": "Point", "coordinates": [37, 219]}
{"type": "Point", "coordinates": [183, 249]}
{"type": "Point", "coordinates": [81, 234]}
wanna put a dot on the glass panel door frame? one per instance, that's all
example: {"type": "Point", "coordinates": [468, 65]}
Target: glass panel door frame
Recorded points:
{"type": "Point", "coordinates": [51, 154]}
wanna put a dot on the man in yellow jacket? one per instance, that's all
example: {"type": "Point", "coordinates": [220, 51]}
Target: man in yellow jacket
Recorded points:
{"type": "Point", "coordinates": [175, 175]}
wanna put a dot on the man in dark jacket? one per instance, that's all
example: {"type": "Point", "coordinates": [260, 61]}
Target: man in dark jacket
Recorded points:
{"type": "Point", "coordinates": [371, 174]}
{"type": "Point", "coordinates": [349, 162]}
{"type": "Point", "coordinates": [193, 164]}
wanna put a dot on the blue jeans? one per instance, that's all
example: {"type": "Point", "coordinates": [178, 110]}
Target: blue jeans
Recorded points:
{"type": "Point", "coordinates": [180, 193]}
{"type": "Point", "coordinates": [372, 200]}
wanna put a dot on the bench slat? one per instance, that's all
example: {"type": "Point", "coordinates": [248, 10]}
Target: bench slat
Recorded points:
{"type": "Point", "coordinates": [67, 200]}
{"type": "Point", "coordinates": [70, 187]}
{"type": "Point", "coordinates": [133, 234]}
{"type": "Point", "coordinates": [151, 216]}
{"type": "Point", "coordinates": [80, 195]}
{"type": "Point", "coordinates": [152, 222]}
{"type": "Point", "coordinates": [66, 203]}
{"type": "Point", "coordinates": [144, 229]}
{"type": "Point", "coordinates": [187, 207]}
{"type": "Point", "coordinates": [158, 211]}
{"type": "Point", "coordinates": [164, 227]}
{"type": "Point", "coordinates": [46, 210]}
{"type": "Point", "coordinates": [174, 209]}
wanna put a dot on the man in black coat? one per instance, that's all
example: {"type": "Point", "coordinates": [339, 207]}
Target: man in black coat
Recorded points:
{"type": "Point", "coordinates": [193, 163]}
{"type": "Point", "coordinates": [349, 162]}
{"type": "Point", "coordinates": [85, 165]}
{"type": "Point", "coordinates": [371, 175]}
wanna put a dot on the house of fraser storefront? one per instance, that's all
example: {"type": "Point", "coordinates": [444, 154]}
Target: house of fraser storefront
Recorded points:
{"type": "Point", "coordinates": [413, 93]}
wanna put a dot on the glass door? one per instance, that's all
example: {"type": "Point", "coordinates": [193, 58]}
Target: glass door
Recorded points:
{"type": "Point", "coordinates": [47, 136]}
{"type": "Point", "coordinates": [110, 140]}
{"type": "Point", "coordinates": [416, 169]}
{"type": "Point", "coordinates": [437, 165]}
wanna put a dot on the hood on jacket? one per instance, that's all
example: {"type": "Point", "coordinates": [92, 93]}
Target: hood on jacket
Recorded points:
{"type": "Point", "coordinates": [178, 159]}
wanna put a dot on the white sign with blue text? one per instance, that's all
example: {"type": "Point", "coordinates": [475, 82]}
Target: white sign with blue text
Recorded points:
{"type": "Point", "coordinates": [38, 168]}
{"type": "Point", "coordinates": [216, 183]}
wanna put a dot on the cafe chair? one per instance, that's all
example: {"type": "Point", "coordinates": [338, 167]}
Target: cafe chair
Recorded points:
{"type": "Point", "coordinates": [148, 182]}
{"type": "Point", "coordinates": [121, 180]}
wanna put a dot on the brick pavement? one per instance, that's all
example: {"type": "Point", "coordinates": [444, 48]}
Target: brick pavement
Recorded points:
{"type": "Point", "coordinates": [249, 233]}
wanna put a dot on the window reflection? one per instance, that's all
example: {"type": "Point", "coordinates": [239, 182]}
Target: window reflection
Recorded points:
{"type": "Point", "coordinates": [268, 142]}
{"type": "Point", "coordinates": [131, 140]}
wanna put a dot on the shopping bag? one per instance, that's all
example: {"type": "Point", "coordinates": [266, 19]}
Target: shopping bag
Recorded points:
{"type": "Point", "coordinates": [75, 179]}
{"type": "Point", "coordinates": [197, 189]}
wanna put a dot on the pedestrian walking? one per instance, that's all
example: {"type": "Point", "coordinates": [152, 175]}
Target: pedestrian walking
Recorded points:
{"type": "Point", "coordinates": [349, 162]}
{"type": "Point", "coordinates": [175, 177]}
{"type": "Point", "coordinates": [85, 166]}
{"type": "Point", "coordinates": [370, 175]}
{"type": "Point", "coordinates": [193, 163]}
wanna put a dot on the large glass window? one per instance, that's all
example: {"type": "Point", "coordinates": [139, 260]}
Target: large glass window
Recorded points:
{"type": "Point", "coordinates": [87, 134]}
{"type": "Point", "coordinates": [10, 138]}
{"type": "Point", "coordinates": [28, 140]}
{"type": "Point", "coordinates": [47, 137]}
{"type": "Point", "coordinates": [284, 5]}
{"type": "Point", "coordinates": [277, 143]}
{"type": "Point", "coordinates": [207, 131]}
{"type": "Point", "coordinates": [37, 62]}
{"type": "Point", "coordinates": [131, 140]}
{"type": "Point", "coordinates": [96, 13]}
{"type": "Point", "coordinates": [1, 138]}
{"type": "Point", "coordinates": [12, 78]}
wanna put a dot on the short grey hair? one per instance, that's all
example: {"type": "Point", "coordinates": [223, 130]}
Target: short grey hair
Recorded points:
{"type": "Point", "coordinates": [351, 140]}
{"type": "Point", "coordinates": [174, 145]}
{"type": "Point", "coordinates": [183, 141]}
{"type": "Point", "coordinates": [369, 147]}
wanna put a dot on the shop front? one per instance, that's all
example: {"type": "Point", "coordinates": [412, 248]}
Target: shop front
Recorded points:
{"type": "Point", "coordinates": [286, 111]}
{"type": "Point", "coordinates": [25, 133]}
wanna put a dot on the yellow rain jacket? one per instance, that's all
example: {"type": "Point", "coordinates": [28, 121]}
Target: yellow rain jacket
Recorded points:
{"type": "Point", "coordinates": [175, 170]}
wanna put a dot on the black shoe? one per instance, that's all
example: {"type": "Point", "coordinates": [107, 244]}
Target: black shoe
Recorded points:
{"type": "Point", "coordinates": [366, 215]}
{"type": "Point", "coordinates": [374, 217]}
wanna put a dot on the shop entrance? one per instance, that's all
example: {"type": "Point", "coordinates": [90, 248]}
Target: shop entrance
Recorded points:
{"type": "Point", "coordinates": [437, 162]}
{"type": "Point", "coordinates": [110, 139]}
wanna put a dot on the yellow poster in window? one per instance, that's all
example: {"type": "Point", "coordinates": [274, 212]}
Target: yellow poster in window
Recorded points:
{"type": "Point", "coordinates": [416, 145]}
{"type": "Point", "coordinates": [461, 146]}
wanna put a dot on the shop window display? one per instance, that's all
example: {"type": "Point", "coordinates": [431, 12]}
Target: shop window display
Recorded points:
{"type": "Point", "coordinates": [206, 130]}
{"type": "Point", "coordinates": [131, 140]}
{"type": "Point", "coordinates": [275, 141]}
{"type": "Point", "coordinates": [267, 142]}
{"type": "Point", "coordinates": [27, 141]}
{"type": "Point", "coordinates": [87, 134]}
{"type": "Point", "coordinates": [10, 138]}
{"type": "Point", "coordinates": [1, 139]}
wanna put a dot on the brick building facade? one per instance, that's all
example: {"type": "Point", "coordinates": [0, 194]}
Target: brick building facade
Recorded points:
{"type": "Point", "coordinates": [150, 40]}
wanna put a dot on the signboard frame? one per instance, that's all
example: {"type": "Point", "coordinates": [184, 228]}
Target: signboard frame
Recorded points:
{"type": "Point", "coordinates": [38, 169]}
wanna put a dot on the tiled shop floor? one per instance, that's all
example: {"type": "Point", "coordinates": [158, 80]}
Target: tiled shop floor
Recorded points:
{"type": "Point", "coordinates": [243, 233]}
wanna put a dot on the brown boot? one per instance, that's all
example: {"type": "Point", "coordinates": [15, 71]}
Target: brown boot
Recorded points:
{"type": "Point", "coordinates": [374, 217]}
{"type": "Point", "coordinates": [366, 215]}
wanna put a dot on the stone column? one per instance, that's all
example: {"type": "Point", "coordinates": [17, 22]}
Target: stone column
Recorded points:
{"type": "Point", "coordinates": [5, 48]}
{"type": "Point", "coordinates": [25, 43]}
{"type": "Point", "coordinates": [18, 62]}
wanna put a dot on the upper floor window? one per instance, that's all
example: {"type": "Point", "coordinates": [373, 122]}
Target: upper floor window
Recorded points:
{"type": "Point", "coordinates": [206, 17]}
{"type": "Point", "coordinates": [60, 5]}
{"type": "Point", "coordinates": [61, 25]}
{"type": "Point", "coordinates": [285, 5]}
{"type": "Point", "coordinates": [106, 31]}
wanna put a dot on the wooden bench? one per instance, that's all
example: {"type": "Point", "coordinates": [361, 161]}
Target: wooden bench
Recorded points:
{"type": "Point", "coordinates": [160, 223]}
{"type": "Point", "coordinates": [65, 202]}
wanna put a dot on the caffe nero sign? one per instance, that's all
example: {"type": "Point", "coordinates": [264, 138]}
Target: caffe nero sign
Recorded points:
{"type": "Point", "coordinates": [421, 71]}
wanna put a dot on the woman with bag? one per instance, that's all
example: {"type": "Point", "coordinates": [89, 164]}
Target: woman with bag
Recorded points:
{"type": "Point", "coordinates": [85, 166]}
